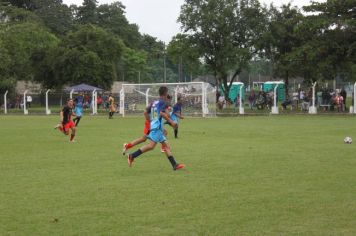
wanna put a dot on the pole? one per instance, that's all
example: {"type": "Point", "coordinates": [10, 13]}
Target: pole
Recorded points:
{"type": "Point", "coordinates": [25, 111]}
{"type": "Point", "coordinates": [241, 109]}
{"type": "Point", "coordinates": [93, 101]}
{"type": "Point", "coordinates": [203, 99]}
{"type": "Point", "coordinates": [122, 101]}
{"type": "Point", "coordinates": [71, 94]}
{"type": "Point", "coordinates": [312, 109]}
{"type": "Point", "coordinates": [275, 108]}
{"type": "Point", "coordinates": [48, 111]}
{"type": "Point", "coordinates": [355, 98]}
{"type": "Point", "coordinates": [147, 100]}
{"type": "Point", "coordinates": [5, 102]}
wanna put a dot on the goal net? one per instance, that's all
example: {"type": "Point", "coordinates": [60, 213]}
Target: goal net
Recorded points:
{"type": "Point", "coordinates": [199, 98]}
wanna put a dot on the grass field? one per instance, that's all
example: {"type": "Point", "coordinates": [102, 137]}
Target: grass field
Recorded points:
{"type": "Point", "coordinates": [268, 175]}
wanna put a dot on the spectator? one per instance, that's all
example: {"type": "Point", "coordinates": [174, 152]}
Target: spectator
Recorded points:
{"type": "Point", "coordinates": [339, 101]}
{"type": "Point", "coordinates": [252, 99]}
{"type": "Point", "coordinates": [344, 95]}
{"type": "Point", "coordinates": [221, 102]}
{"type": "Point", "coordinates": [287, 102]}
{"type": "Point", "coordinates": [28, 101]}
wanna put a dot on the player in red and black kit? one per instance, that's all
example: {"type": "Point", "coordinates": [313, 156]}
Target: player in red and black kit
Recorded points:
{"type": "Point", "coordinates": [66, 121]}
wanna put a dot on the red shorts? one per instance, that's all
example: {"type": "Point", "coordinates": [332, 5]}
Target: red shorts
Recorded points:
{"type": "Point", "coordinates": [68, 126]}
{"type": "Point", "coordinates": [146, 131]}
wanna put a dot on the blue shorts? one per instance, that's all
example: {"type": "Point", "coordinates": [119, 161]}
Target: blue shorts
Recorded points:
{"type": "Point", "coordinates": [156, 136]}
{"type": "Point", "coordinates": [175, 118]}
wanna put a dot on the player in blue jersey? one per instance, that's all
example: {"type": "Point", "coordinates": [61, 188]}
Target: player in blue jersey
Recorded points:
{"type": "Point", "coordinates": [176, 114]}
{"type": "Point", "coordinates": [78, 110]}
{"type": "Point", "coordinates": [156, 134]}
{"type": "Point", "coordinates": [146, 130]}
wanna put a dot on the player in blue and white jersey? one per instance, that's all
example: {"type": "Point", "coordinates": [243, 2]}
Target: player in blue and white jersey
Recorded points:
{"type": "Point", "coordinates": [156, 135]}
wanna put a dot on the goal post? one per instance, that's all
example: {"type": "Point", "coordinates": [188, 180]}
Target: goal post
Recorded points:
{"type": "Point", "coordinates": [199, 98]}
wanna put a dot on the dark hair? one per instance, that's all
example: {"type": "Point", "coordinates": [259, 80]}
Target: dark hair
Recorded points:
{"type": "Point", "coordinates": [69, 99]}
{"type": "Point", "coordinates": [162, 91]}
{"type": "Point", "coordinates": [169, 96]}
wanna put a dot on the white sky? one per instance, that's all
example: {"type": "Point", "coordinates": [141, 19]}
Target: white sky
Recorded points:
{"type": "Point", "coordinates": [158, 18]}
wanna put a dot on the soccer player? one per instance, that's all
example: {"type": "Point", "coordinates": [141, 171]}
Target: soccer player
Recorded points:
{"type": "Point", "coordinates": [176, 114]}
{"type": "Point", "coordinates": [66, 122]}
{"type": "Point", "coordinates": [146, 130]}
{"type": "Point", "coordinates": [156, 131]}
{"type": "Point", "coordinates": [78, 110]}
{"type": "Point", "coordinates": [112, 106]}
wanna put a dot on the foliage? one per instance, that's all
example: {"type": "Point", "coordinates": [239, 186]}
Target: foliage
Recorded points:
{"type": "Point", "coordinates": [224, 32]}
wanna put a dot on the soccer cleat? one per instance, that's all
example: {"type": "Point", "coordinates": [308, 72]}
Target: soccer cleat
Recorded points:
{"type": "Point", "coordinates": [57, 126]}
{"type": "Point", "coordinates": [124, 149]}
{"type": "Point", "coordinates": [130, 159]}
{"type": "Point", "coordinates": [179, 166]}
{"type": "Point", "coordinates": [163, 150]}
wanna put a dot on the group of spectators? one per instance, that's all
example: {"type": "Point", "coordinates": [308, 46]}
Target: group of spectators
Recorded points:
{"type": "Point", "coordinates": [326, 99]}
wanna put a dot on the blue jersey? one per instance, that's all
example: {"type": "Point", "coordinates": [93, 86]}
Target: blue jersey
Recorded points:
{"type": "Point", "coordinates": [78, 110]}
{"type": "Point", "coordinates": [177, 108]}
{"type": "Point", "coordinates": [156, 119]}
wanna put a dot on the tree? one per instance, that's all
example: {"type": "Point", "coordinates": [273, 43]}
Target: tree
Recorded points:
{"type": "Point", "coordinates": [181, 51]}
{"type": "Point", "coordinates": [88, 55]}
{"type": "Point", "coordinates": [22, 41]}
{"type": "Point", "coordinates": [281, 38]}
{"type": "Point", "coordinates": [112, 18]}
{"type": "Point", "coordinates": [224, 32]}
{"type": "Point", "coordinates": [55, 15]}
{"type": "Point", "coordinates": [334, 43]}
{"type": "Point", "coordinates": [87, 13]}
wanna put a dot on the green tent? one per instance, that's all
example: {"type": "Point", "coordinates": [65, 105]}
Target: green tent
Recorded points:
{"type": "Point", "coordinates": [235, 91]}
{"type": "Point", "coordinates": [270, 85]}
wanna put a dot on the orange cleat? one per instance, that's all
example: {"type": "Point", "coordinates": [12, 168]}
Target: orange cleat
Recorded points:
{"type": "Point", "coordinates": [130, 159]}
{"type": "Point", "coordinates": [179, 166]}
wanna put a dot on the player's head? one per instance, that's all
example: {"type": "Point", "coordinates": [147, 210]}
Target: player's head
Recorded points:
{"type": "Point", "coordinates": [163, 91]}
{"type": "Point", "coordinates": [169, 99]}
{"type": "Point", "coordinates": [70, 102]}
{"type": "Point", "coordinates": [179, 100]}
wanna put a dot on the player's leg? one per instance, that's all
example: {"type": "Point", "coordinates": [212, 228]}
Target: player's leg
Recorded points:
{"type": "Point", "coordinates": [176, 132]}
{"type": "Point", "coordinates": [163, 148]}
{"type": "Point", "coordinates": [175, 165]}
{"type": "Point", "coordinates": [148, 147]}
{"type": "Point", "coordinates": [73, 130]}
{"type": "Point", "coordinates": [76, 120]}
{"type": "Point", "coordinates": [133, 143]}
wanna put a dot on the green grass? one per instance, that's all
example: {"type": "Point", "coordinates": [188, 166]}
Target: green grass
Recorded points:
{"type": "Point", "coordinates": [268, 175]}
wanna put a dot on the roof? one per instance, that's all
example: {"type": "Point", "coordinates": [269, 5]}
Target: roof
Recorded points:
{"type": "Point", "coordinates": [82, 88]}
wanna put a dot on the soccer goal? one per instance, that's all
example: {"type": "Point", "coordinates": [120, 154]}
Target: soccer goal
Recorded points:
{"type": "Point", "coordinates": [199, 98]}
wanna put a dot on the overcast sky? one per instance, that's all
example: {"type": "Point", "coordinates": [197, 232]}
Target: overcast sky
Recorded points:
{"type": "Point", "coordinates": [158, 18]}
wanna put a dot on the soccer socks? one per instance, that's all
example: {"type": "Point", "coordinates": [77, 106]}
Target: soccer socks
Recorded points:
{"type": "Point", "coordinates": [176, 133]}
{"type": "Point", "coordinates": [76, 120]}
{"type": "Point", "coordinates": [128, 146]}
{"type": "Point", "coordinates": [136, 154]}
{"type": "Point", "coordinates": [172, 161]}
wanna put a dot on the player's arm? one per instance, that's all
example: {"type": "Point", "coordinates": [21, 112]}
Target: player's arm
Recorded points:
{"type": "Point", "coordinates": [61, 115]}
{"type": "Point", "coordinates": [168, 119]}
{"type": "Point", "coordinates": [147, 113]}
{"type": "Point", "coordinates": [179, 115]}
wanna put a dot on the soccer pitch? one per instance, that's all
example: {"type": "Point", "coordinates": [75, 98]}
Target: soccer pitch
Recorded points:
{"type": "Point", "coordinates": [266, 175]}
